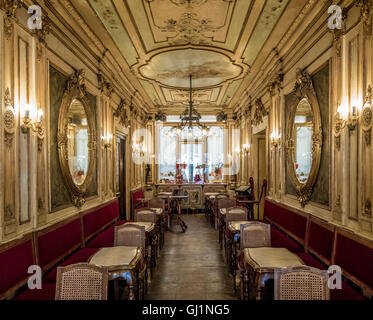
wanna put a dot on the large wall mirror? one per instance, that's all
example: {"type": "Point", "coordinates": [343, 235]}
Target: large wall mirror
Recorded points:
{"type": "Point", "coordinates": [76, 139]}
{"type": "Point", "coordinates": [304, 138]}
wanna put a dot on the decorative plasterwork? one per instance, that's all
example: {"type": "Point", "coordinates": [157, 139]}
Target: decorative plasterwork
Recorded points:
{"type": "Point", "coordinates": [9, 120]}
{"type": "Point", "coordinates": [10, 7]}
{"type": "Point", "coordinates": [276, 84]}
{"type": "Point", "coordinates": [41, 35]}
{"type": "Point", "coordinates": [366, 15]}
{"type": "Point", "coordinates": [160, 116]}
{"type": "Point", "coordinates": [304, 89]}
{"type": "Point", "coordinates": [105, 86]}
{"type": "Point", "coordinates": [121, 113]}
{"type": "Point", "coordinates": [259, 113]}
{"type": "Point", "coordinates": [76, 89]}
{"type": "Point", "coordinates": [367, 117]}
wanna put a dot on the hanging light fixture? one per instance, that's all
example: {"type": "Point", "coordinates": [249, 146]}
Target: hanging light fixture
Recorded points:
{"type": "Point", "coordinates": [190, 118]}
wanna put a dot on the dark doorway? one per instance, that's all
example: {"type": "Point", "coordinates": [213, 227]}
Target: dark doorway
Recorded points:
{"type": "Point", "coordinates": [121, 175]}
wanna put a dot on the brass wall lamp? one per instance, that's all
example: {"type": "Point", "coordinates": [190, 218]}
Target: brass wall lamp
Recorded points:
{"type": "Point", "coordinates": [36, 125]}
{"type": "Point", "coordinates": [275, 139]}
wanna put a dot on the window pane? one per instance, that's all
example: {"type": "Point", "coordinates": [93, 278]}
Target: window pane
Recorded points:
{"type": "Point", "coordinates": [166, 156]}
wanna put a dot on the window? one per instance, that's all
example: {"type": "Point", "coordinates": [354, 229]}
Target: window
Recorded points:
{"type": "Point", "coordinates": [191, 156]}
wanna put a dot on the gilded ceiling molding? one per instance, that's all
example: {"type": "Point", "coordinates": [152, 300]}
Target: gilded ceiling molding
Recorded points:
{"type": "Point", "coordinates": [122, 114]}
{"type": "Point", "coordinates": [10, 7]}
{"type": "Point", "coordinates": [367, 117]}
{"type": "Point", "coordinates": [105, 86]}
{"type": "Point", "coordinates": [295, 25]}
{"type": "Point", "coordinates": [259, 113]}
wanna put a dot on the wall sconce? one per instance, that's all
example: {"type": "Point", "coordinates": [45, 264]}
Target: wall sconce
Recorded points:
{"type": "Point", "coordinates": [275, 139]}
{"type": "Point", "coordinates": [245, 148]}
{"type": "Point", "coordinates": [344, 118]}
{"type": "Point", "coordinates": [107, 141]}
{"type": "Point", "coordinates": [28, 123]}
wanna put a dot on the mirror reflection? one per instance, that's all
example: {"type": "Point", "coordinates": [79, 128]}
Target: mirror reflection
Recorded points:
{"type": "Point", "coordinates": [77, 134]}
{"type": "Point", "coordinates": [303, 140]}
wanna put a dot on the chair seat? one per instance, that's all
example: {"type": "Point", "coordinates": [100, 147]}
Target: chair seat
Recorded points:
{"type": "Point", "coordinates": [310, 261]}
{"type": "Point", "coordinates": [46, 293]}
{"type": "Point", "coordinates": [346, 293]}
{"type": "Point", "coordinates": [279, 240]}
{"type": "Point", "coordinates": [82, 255]}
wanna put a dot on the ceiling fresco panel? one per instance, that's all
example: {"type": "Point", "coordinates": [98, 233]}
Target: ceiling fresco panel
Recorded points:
{"type": "Point", "coordinates": [265, 25]}
{"type": "Point", "coordinates": [107, 13]}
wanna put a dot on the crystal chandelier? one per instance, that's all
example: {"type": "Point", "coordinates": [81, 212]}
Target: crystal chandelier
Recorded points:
{"type": "Point", "coordinates": [190, 120]}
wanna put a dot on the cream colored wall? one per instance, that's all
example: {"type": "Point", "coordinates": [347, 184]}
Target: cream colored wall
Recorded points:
{"type": "Point", "coordinates": [309, 47]}
{"type": "Point", "coordinates": [24, 158]}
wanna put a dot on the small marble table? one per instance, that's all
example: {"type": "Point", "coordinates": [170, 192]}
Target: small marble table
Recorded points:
{"type": "Point", "coordinates": [123, 263]}
{"type": "Point", "coordinates": [260, 264]}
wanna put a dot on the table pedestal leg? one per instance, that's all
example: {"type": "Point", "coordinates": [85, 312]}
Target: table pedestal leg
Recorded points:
{"type": "Point", "coordinates": [179, 220]}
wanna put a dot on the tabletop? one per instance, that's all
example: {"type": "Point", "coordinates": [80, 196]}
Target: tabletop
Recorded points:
{"type": "Point", "coordinates": [149, 226]}
{"type": "Point", "coordinates": [157, 210]}
{"type": "Point", "coordinates": [116, 257]}
{"type": "Point", "coordinates": [266, 259]}
{"type": "Point", "coordinates": [235, 226]}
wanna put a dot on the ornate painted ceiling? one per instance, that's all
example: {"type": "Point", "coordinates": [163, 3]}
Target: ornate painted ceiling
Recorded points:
{"type": "Point", "coordinates": [164, 41]}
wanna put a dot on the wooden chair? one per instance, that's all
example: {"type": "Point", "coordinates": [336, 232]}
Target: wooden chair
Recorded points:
{"type": "Point", "coordinates": [146, 215]}
{"type": "Point", "coordinates": [224, 202]}
{"type": "Point", "coordinates": [82, 281]}
{"type": "Point", "coordinates": [301, 283]}
{"type": "Point", "coordinates": [252, 235]}
{"type": "Point", "coordinates": [132, 235]}
{"type": "Point", "coordinates": [236, 214]}
{"type": "Point", "coordinates": [157, 203]}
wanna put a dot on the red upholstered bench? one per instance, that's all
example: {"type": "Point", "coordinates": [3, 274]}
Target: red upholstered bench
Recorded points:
{"type": "Point", "coordinates": [99, 219]}
{"type": "Point", "coordinates": [15, 259]}
{"type": "Point", "coordinates": [135, 202]}
{"type": "Point", "coordinates": [106, 238]}
{"type": "Point", "coordinates": [57, 242]}
{"type": "Point", "coordinates": [355, 257]}
{"type": "Point", "coordinates": [319, 244]}
{"type": "Point", "coordinates": [47, 293]}
{"type": "Point", "coordinates": [292, 224]}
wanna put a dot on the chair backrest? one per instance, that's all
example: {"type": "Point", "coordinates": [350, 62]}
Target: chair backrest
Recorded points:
{"type": "Point", "coordinates": [236, 214]}
{"type": "Point", "coordinates": [301, 283]}
{"type": "Point", "coordinates": [255, 234]}
{"type": "Point", "coordinates": [226, 203]}
{"type": "Point", "coordinates": [82, 281]}
{"type": "Point", "coordinates": [157, 203]}
{"type": "Point", "coordinates": [145, 215]}
{"type": "Point", "coordinates": [130, 235]}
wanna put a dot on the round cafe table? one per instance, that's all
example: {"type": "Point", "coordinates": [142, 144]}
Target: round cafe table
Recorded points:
{"type": "Point", "coordinates": [180, 221]}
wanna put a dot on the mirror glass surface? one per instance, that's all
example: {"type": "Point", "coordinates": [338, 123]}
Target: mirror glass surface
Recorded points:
{"type": "Point", "coordinates": [77, 134]}
{"type": "Point", "coordinates": [303, 141]}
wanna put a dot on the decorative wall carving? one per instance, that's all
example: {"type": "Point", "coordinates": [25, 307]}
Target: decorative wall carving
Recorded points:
{"type": "Point", "coordinates": [367, 117]}
{"type": "Point", "coordinates": [259, 113]}
{"type": "Point", "coordinates": [10, 7]}
{"type": "Point", "coordinates": [41, 35]}
{"type": "Point", "coordinates": [121, 113]}
{"type": "Point", "coordinates": [105, 86]}
{"type": "Point", "coordinates": [366, 15]}
{"type": "Point", "coordinates": [276, 84]}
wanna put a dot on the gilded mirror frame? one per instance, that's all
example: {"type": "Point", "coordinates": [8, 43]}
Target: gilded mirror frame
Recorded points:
{"type": "Point", "coordinates": [304, 89]}
{"type": "Point", "coordinates": [75, 90]}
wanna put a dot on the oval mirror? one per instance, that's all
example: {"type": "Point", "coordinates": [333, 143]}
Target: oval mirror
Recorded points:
{"type": "Point", "coordinates": [77, 147]}
{"type": "Point", "coordinates": [77, 139]}
{"type": "Point", "coordinates": [303, 123]}
{"type": "Point", "coordinates": [303, 138]}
